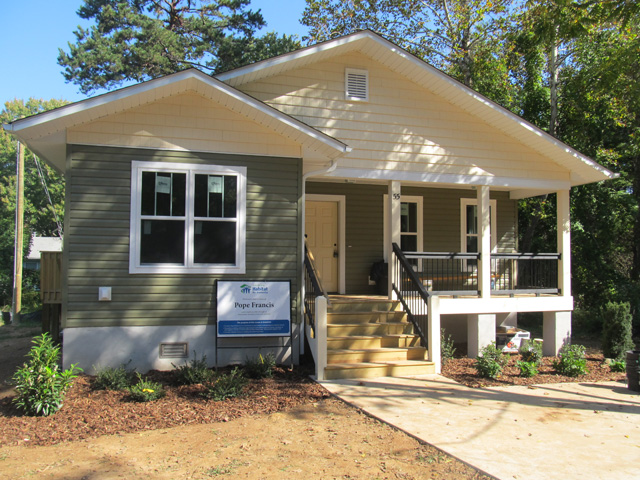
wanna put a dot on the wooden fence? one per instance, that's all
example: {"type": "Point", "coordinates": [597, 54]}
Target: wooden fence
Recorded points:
{"type": "Point", "coordinates": [51, 292]}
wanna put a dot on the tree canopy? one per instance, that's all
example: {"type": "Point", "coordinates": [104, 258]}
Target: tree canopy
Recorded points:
{"type": "Point", "coordinates": [40, 215]}
{"type": "Point", "coordinates": [136, 40]}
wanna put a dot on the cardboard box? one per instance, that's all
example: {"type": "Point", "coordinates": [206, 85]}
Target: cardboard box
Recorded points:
{"type": "Point", "coordinates": [509, 339]}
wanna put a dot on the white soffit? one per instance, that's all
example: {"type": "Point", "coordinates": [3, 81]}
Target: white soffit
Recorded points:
{"type": "Point", "coordinates": [583, 169]}
{"type": "Point", "coordinates": [45, 133]}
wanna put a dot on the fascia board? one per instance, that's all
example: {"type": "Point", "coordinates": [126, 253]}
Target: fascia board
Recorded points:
{"type": "Point", "coordinates": [64, 115]}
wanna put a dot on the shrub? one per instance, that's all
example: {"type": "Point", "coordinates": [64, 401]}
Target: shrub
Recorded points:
{"type": "Point", "coordinates": [618, 366]}
{"type": "Point", "coordinates": [571, 362]}
{"type": "Point", "coordinates": [447, 350]}
{"type": "Point", "coordinates": [527, 369]}
{"type": "Point", "coordinates": [110, 378]}
{"type": "Point", "coordinates": [616, 330]}
{"type": "Point", "coordinates": [490, 362]}
{"type": "Point", "coordinates": [531, 351]}
{"type": "Point", "coordinates": [261, 367]}
{"type": "Point", "coordinates": [196, 371]}
{"type": "Point", "coordinates": [226, 386]}
{"type": "Point", "coordinates": [40, 383]}
{"type": "Point", "coordinates": [146, 390]}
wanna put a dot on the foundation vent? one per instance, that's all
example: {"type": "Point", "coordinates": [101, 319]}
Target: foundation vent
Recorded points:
{"type": "Point", "coordinates": [174, 350]}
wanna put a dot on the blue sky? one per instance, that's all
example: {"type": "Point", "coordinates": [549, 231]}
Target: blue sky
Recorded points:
{"type": "Point", "coordinates": [33, 30]}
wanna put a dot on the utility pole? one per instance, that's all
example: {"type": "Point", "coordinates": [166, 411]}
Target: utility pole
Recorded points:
{"type": "Point", "coordinates": [16, 306]}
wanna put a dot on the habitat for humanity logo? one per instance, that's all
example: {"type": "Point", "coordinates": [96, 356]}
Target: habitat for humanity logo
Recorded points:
{"type": "Point", "coordinates": [244, 288]}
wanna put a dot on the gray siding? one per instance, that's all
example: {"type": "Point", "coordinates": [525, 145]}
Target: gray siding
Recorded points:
{"type": "Point", "coordinates": [441, 224]}
{"type": "Point", "coordinates": [97, 239]}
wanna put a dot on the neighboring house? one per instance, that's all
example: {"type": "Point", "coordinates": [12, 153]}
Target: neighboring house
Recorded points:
{"type": "Point", "coordinates": [39, 245]}
{"type": "Point", "coordinates": [179, 182]}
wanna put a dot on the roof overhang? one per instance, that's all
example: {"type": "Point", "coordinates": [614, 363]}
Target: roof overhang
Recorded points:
{"type": "Point", "coordinates": [45, 133]}
{"type": "Point", "coordinates": [583, 169]}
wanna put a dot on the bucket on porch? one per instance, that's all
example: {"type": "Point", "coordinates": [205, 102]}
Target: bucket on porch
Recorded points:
{"type": "Point", "coordinates": [633, 370]}
{"type": "Point", "coordinates": [380, 274]}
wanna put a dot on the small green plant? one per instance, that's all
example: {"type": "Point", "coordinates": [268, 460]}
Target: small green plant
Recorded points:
{"type": "Point", "coordinates": [40, 383]}
{"type": "Point", "coordinates": [447, 350]}
{"type": "Point", "coordinates": [194, 372]}
{"type": "Point", "coordinates": [146, 390]}
{"type": "Point", "coordinates": [261, 367]}
{"type": "Point", "coordinates": [531, 351]}
{"type": "Point", "coordinates": [527, 369]}
{"type": "Point", "coordinates": [618, 366]}
{"type": "Point", "coordinates": [572, 361]}
{"type": "Point", "coordinates": [616, 330]}
{"type": "Point", "coordinates": [490, 362]}
{"type": "Point", "coordinates": [110, 378]}
{"type": "Point", "coordinates": [226, 386]}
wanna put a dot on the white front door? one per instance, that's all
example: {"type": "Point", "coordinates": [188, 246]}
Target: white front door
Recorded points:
{"type": "Point", "coordinates": [321, 229]}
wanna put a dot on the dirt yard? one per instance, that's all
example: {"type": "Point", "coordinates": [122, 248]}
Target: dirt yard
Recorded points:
{"type": "Point", "coordinates": [285, 426]}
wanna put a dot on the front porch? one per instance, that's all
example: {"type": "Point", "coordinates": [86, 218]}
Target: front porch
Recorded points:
{"type": "Point", "coordinates": [470, 292]}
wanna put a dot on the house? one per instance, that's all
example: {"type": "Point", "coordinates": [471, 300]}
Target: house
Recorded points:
{"type": "Point", "coordinates": [184, 190]}
{"type": "Point", "coordinates": [39, 245]}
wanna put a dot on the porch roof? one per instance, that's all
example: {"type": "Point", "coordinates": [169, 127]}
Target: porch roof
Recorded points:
{"type": "Point", "coordinates": [46, 133]}
{"type": "Point", "coordinates": [582, 168]}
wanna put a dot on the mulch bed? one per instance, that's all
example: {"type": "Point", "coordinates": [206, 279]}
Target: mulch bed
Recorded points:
{"type": "Point", "coordinates": [90, 413]}
{"type": "Point", "coordinates": [461, 370]}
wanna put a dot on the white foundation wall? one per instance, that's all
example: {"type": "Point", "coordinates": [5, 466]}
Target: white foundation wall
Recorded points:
{"type": "Point", "coordinates": [94, 348]}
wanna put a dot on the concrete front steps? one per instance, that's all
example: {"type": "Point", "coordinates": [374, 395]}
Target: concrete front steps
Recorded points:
{"type": "Point", "coordinates": [371, 337]}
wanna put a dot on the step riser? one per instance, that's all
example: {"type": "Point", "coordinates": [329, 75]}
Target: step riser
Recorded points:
{"type": "Point", "coordinates": [383, 342]}
{"type": "Point", "coordinates": [381, 371]}
{"type": "Point", "coordinates": [390, 356]}
{"type": "Point", "coordinates": [373, 329]}
{"type": "Point", "coordinates": [365, 317]}
{"type": "Point", "coordinates": [367, 306]}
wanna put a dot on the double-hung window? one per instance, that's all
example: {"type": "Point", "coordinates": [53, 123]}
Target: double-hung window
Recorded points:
{"type": "Point", "coordinates": [187, 218]}
{"type": "Point", "coordinates": [469, 233]}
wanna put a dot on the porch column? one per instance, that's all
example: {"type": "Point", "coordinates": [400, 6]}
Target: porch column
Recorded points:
{"type": "Point", "coordinates": [394, 208]}
{"type": "Point", "coordinates": [481, 331]}
{"type": "Point", "coordinates": [556, 331]}
{"type": "Point", "coordinates": [484, 241]}
{"type": "Point", "coordinates": [564, 242]}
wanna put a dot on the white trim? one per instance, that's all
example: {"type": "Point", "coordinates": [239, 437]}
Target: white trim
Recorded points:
{"type": "Point", "coordinates": [341, 200]}
{"type": "Point", "coordinates": [451, 179]}
{"type": "Point", "coordinates": [137, 167]}
{"type": "Point", "coordinates": [463, 223]}
{"type": "Point", "coordinates": [409, 199]}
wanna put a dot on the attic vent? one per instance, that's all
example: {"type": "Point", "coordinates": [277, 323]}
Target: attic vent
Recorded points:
{"type": "Point", "coordinates": [174, 350]}
{"type": "Point", "coordinates": [357, 84]}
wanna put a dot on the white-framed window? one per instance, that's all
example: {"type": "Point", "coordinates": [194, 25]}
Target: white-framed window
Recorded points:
{"type": "Point", "coordinates": [469, 235]}
{"type": "Point", "coordinates": [187, 218]}
{"type": "Point", "coordinates": [356, 84]}
{"type": "Point", "coordinates": [411, 219]}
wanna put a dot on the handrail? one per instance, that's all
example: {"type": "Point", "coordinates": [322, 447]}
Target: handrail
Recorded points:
{"type": "Point", "coordinates": [313, 287]}
{"type": "Point", "coordinates": [421, 306]}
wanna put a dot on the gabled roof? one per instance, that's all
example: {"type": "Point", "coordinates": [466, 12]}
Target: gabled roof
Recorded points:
{"type": "Point", "coordinates": [583, 169]}
{"type": "Point", "coordinates": [45, 133]}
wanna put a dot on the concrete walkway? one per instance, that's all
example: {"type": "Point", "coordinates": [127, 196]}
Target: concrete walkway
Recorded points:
{"type": "Point", "coordinates": [564, 431]}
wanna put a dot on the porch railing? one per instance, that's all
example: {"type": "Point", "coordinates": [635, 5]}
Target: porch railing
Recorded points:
{"type": "Point", "coordinates": [411, 292]}
{"type": "Point", "coordinates": [513, 273]}
{"type": "Point", "coordinates": [446, 273]}
{"type": "Point", "coordinates": [315, 314]}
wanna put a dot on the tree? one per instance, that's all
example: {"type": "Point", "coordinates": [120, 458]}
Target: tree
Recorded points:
{"type": "Point", "coordinates": [40, 215]}
{"type": "Point", "coordinates": [136, 40]}
{"type": "Point", "coordinates": [460, 37]}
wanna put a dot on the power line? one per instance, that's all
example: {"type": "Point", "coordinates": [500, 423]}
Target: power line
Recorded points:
{"type": "Point", "coordinates": [46, 191]}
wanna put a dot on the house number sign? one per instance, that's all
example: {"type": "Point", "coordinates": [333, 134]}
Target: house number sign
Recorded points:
{"type": "Point", "coordinates": [254, 309]}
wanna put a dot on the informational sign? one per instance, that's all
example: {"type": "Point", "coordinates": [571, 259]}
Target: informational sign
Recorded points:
{"type": "Point", "coordinates": [163, 184]}
{"type": "Point", "coordinates": [254, 309]}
